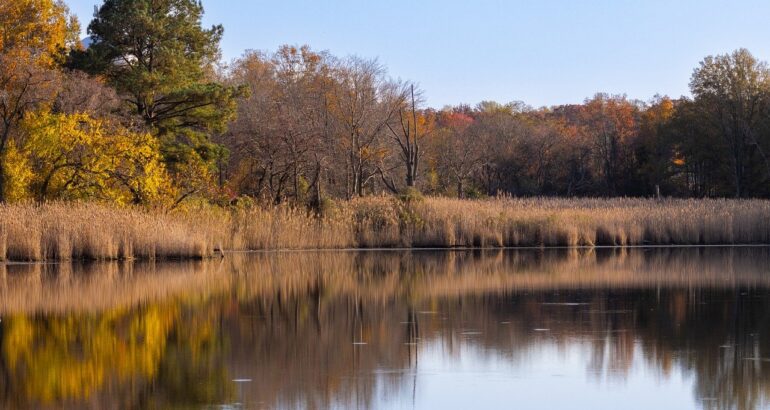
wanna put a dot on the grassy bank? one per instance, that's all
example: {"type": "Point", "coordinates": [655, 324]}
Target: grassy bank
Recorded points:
{"type": "Point", "coordinates": [88, 231]}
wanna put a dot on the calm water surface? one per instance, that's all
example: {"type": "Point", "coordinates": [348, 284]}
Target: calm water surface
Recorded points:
{"type": "Point", "coordinates": [604, 329]}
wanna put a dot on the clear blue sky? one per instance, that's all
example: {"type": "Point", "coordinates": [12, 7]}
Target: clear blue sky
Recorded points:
{"type": "Point", "coordinates": [542, 52]}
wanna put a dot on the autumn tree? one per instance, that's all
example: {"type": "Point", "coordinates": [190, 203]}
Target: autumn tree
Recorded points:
{"type": "Point", "coordinates": [363, 102]}
{"type": "Point", "coordinates": [254, 161]}
{"type": "Point", "coordinates": [313, 120]}
{"type": "Point", "coordinates": [456, 151]}
{"type": "Point", "coordinates": [304, 125]}
{"type": "Point", "coordinates": [39, 31]}
{"type": "Point", "coordinates": [697, 153]}
{"type": "Point", "coordinates": [161, 62]}
{"type": "Point", "coordinates": [498, 131]}
{"type": "Point", "coordinates": [734, 92]}
{"type": "Point", "coordinates": [282, 135]}
{"type": "Point", "coordinates": [655, 151]}
{"type": "Point", "coordinates": [541, 153]}
{"type": "Point", "coordinates": [75, 156]}
{"type": "Point", "coordinates": [79, 92]}
{"type": "Point", "coordinates": [34, 36]}
{"type": "Point", "coordinates": [408, 129]}
{"type": "Point", "coordinates": [611, 122]}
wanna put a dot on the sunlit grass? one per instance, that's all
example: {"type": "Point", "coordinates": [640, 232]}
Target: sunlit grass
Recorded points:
{"type": "Point", "coordinates": [61, 231]}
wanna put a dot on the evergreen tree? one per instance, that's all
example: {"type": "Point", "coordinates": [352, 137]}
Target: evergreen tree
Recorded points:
{"type": "Point", "coordinates": [161, 61]}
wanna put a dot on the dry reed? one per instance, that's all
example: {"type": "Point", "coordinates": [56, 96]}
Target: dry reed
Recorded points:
{"type": "Point", "coordinates": [61, 231]}
{"type": "Point", "coordinates": [64, 231]}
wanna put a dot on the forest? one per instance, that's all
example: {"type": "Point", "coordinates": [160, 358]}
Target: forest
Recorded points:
{"type": "Point", "coordinates": [140, 142]}
{"type": "Point", "coordinates": [145, 112]}
{"type": "Point", "coordinates": [294, 228]}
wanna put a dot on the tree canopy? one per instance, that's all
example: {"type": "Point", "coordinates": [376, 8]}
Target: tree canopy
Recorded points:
{"type": "Point", "coordinates": [149, 114]}
{"type": "Point", "coordinates": [34, 37]}
{"type": "Point", "coordinates": [161, 61]}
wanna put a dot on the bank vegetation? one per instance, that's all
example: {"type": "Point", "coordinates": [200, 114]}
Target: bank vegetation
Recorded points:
{"type": "Point", "coordinates": [64, 231]}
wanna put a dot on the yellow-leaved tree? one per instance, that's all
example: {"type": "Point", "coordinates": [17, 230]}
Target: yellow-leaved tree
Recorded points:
{"type": "Point", "coordinates": [42, 30]}
{"type": "Point", "coordinates": [34, 36]}
{"type": "Point", "coordinates": [75, 156]}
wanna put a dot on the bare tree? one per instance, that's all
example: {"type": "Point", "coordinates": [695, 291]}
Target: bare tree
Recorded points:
{"type": "Point", "coordinates": [363, 104]}
{"type": "Point", "coordinates": [406, 131]}
{"type": "Point", "coordinates": [81, 93]}
{"type": "Point", "coordinates": [458, 153]}
{"type": "Point", "coordinates": [280, 137]}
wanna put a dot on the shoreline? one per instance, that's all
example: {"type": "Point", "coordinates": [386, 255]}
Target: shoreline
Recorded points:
{"type": "Point", "coordinates": [168, 260]}
{"type": "Point", "coordinates": [502, 248]}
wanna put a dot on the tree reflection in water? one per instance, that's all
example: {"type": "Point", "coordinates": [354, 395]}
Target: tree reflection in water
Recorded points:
{"type": "Point", "coordinates": [347, 329]}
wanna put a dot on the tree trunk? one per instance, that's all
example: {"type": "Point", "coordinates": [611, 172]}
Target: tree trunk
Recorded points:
{"type": "Point", "coordinates": [315, 202]}
{"type": "Point", "coordinates": [295, 181]}
{"type": "Point", "coordinates": [2, 177]}
{"type": "Point", "coordinates": [413, 148]}
{"type": "Point", "coordinates": [3, 151]}
{"type": "Point", "coordinates": [409, 176]}
{"type": "Point", "coordinates": [358, 183]}
{"type": "Point", "coordinates": [738, 179]}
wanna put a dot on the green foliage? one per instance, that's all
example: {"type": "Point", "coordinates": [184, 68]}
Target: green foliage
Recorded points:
{"type": "Point", "coordinates": [328, 208]}
{"type": "Point", "coordinates": [410, 219]}
{"type": "Point", "coordinates": [318, 128]}
{"type": "Point", "coordinates": [411, 195]}
{"type": "Point", "coordinates": [152, 48]}
{"type": "Point", "coordinates": [243, 203]}
{"type": "Point", "coordinates": [474, 193]}
{"type": "Point", "coordinates": [158, 56]}
{"type": "Point", "coordinates": [303, 188]}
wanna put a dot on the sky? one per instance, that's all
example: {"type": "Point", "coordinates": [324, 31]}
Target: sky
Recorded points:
{"type": "Point", "coordinates": [541, 52]}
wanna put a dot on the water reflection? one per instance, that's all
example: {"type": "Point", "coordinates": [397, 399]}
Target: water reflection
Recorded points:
{"type": "Point", "coordinates": [601, 329]}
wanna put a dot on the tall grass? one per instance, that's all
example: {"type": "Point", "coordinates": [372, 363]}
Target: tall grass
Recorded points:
{"type": "Point", "coordinates": [64, 231]}
{"type": "Point", "coordinates": [61, 231]}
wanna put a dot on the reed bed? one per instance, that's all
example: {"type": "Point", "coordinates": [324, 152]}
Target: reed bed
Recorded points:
{"type": "Point", "coordinates": [62, 231]}
{"type": "Point", "coordinates": [65, 231]}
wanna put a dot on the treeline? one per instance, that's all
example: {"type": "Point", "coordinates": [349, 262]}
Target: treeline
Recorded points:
{"type": "Point", "coordinates": [146, 113]}
{"type": "Point", "coordinates": [315, 123]}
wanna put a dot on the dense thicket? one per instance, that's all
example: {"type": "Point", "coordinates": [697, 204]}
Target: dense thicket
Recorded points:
{"type": "Point", "coordinates": [145, 114]}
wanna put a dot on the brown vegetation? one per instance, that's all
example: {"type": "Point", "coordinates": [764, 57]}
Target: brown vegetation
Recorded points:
{"type": "Point", "coordinates": [61, 231]}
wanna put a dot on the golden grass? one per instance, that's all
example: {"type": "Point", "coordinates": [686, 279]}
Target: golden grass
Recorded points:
{"type": "Point", "coordinates": [61, 231]}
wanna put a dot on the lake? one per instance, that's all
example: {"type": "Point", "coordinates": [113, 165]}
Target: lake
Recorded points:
{"type": "Point", "coordinates": [530, 329]}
